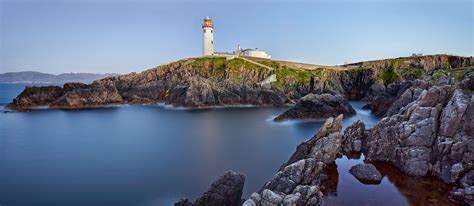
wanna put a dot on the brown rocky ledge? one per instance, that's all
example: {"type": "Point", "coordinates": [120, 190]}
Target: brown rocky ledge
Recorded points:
{"type": "Point", "coordinates": [216, 81]}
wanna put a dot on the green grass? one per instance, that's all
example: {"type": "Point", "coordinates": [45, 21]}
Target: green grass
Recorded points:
{"type": "Point", "coordinates": [390, 75]}
{"type": "Point", "coordinates": [415, 72]}
{"type": "Point", "coordinates": [215, 66]}
{"type": "Point", "coordinates": [236, 67]}
{"type": "Point", "coordinates": [458, 73]}
{"type": "Point", "coordinates": [301, 76]}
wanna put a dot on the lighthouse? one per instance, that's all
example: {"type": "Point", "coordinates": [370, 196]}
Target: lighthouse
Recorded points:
{"type": "Point", "coordinates": [207, 37]}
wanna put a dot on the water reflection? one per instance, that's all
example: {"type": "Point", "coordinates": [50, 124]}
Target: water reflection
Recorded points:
{"type": "Point", "coordinates": [418, 191]}
{"type": "Point", "coordinates": [151, 155]}
{"type": "Point", "coordinates": [396, 188]}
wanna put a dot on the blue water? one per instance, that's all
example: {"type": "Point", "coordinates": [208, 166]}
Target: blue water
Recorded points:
{"type": "Point", "coordinates": [152, 155]}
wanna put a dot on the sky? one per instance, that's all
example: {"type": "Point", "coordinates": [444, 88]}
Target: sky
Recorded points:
{"type": "Point", "coordinates": [60, 36]}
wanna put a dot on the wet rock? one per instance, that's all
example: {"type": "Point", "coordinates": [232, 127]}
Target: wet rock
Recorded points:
{"type": "Point", "coordinates": [314, 106]}
{"type": "Point", "coordinates": [226, 190]}
{"type": "Point", "coordinates": [366, 173]}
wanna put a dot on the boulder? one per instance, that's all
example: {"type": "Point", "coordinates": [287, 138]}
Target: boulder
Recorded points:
{"type": "Point", "coordinates": [366, 173]}
{"type": "Point", "coordinates": [226, 190]}
{"type": "Point", "coordinates": [315, 106]}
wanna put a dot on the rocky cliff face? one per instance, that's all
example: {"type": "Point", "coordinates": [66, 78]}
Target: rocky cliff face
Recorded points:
{"type": "Point", "coordinates": [301, 179]}
{"type": "Point", "coordinates": [203, 82]}
{"type": "Point", "coordinates": [427, 131]}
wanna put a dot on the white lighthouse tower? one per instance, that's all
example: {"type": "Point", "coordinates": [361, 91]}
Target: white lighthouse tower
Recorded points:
{"type": "Point", "coordinates": [207, 37]}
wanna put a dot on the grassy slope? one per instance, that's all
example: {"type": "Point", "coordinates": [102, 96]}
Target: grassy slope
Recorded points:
{"type": "Point", "coordinates": [297, 73]}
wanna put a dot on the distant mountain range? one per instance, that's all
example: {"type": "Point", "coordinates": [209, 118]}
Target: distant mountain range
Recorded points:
{"type": "Point", "coordinates": [38, 77]}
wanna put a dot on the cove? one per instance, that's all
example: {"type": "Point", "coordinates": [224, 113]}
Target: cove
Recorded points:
{"type": "Point", "coordinates": [151, 155]}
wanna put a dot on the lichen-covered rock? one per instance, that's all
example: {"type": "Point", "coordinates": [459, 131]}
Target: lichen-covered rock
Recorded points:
{"type": "Point", "coordinates": [366, 173]}
{"type": "Point", "coordinates": [315, 106]}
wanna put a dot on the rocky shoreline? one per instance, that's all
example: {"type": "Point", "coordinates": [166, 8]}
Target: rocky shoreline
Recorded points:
{"type": "Point", "coordinates": [427, 129]}
{"type": "Point", "coordinates": [217, 81]}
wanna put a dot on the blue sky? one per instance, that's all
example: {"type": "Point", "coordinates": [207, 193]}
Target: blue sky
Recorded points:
{"type": "Point", "coordinates": [124, 36]}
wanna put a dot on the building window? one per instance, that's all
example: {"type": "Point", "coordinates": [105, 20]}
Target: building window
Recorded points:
{"type": "Point", "coordinates": [212, 31]}
{"type": "Point", "coordinates": [212, 42]}
{"type": "Point", "coordinates": [204, 31]}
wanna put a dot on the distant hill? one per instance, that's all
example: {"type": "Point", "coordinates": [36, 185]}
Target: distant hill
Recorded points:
{"type": "Point", "coordinates": [38, 77]}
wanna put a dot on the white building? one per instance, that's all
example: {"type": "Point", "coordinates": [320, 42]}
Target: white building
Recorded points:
{"type": "Point", "coordinates": [208, 44]}
{"type": "Point", "coordinates": [207, 37]}
{"type": "Point", "coordinates": [252, 53]}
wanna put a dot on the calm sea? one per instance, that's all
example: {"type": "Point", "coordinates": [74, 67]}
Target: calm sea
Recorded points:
{"type": "Point", "coordinates": [154, 155]}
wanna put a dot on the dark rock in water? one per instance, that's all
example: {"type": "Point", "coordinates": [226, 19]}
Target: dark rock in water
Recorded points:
{"type": "Point", "coordinates": [226, 190]}
{"type": "Point", "coordinates": [183, 202]}
{"type": "Point", "coordinates": [366, 173]}
{"type": "Point", "coordinates": [315, 106]}
{"type": "Point", "coordinates": [36, 96]}
{"type": "Point", "coordinates": [299, 181]}
{"type": "Point", "coordinates": [80, 95]}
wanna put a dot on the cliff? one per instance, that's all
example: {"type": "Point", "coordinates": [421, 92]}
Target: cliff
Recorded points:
{"type": "Point", "coordinates": [217, 81]}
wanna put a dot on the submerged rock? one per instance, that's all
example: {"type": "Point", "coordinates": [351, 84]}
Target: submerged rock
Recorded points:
{"type": "Point", "coordinates": [366, 173]}
{"type": "Point", "coordinates": [226, 190]}
{"type": "Point", "coordinates": [315, 106]}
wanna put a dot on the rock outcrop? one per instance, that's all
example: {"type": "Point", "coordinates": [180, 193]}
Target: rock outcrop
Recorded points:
{"type": "Point", "coordinates": [216, 81]}
{"type": "Point", "coordinates": [318, 106]}
{"type": "Point", "coordinates": [226, 190]}
{"type": "Point", "coordinates": [36, 96]}
{"type": "Point", "coordinates": [299, 181]}
{"type": "Point", "coordinates": [353, 137]}
{"type": "Point", "coordinates": [431, 135]}
{"type": "Point", "coordinates": [366, 173]}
